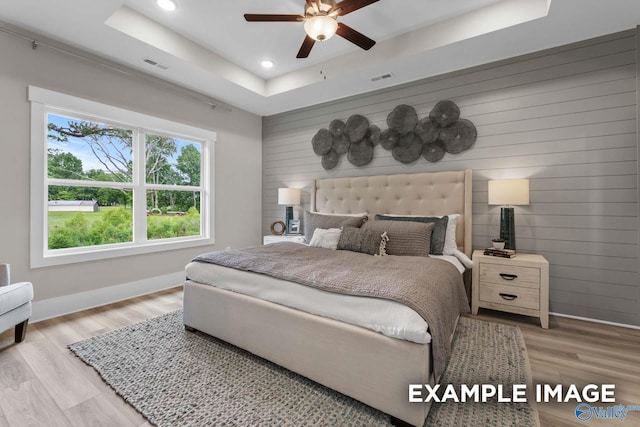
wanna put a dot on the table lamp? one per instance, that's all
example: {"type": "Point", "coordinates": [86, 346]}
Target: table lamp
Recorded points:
{"type": "Point", "coordinates": [508, 193]}
{"type": "Point", "coordinates": [288, 197]}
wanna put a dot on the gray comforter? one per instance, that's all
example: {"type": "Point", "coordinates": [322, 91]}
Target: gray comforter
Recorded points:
{"type": "Point", "coordinates": [431, 287]}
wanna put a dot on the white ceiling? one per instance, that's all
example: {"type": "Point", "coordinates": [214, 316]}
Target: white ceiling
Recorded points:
{"type": "Point", "coordinates": [208, 47]}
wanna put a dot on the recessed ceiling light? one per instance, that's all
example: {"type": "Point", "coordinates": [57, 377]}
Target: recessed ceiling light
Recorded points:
{"type": "Point", "coordinates": [169, 5]}
{"type": "Point", "coordinates": [267, 63]}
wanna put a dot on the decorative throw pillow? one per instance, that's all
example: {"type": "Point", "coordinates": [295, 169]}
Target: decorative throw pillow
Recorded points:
{"type": "Point", "coordinates": [405, 237]}
{"type": "Point", "coordinates": [438, 236]}
{"type": "Point", "coordinates": [364, 241]}
{"type": "Point", "coordinates": [316, 220]}
{"type": "Point", "coordinates": [326, 238]}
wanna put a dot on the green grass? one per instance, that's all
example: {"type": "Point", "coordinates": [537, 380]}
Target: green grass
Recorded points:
{"type": "Point", "coordinates": [57, 219]}
{"type": "Point", "coordinates": [113, 224]}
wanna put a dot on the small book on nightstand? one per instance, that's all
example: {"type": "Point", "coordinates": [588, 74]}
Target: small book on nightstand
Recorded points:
{"type": "Point", "coordinates": [504, 253]}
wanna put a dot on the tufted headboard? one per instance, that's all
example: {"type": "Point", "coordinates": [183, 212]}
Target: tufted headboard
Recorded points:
{"type": "Point", "coordinates": [426, 194]}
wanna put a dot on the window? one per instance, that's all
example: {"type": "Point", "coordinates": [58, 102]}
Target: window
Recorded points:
{"type": "Point", "coordinates": [107, 182]}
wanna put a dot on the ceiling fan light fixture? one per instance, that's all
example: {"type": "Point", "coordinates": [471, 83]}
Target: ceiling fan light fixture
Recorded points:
{"type": "Point", "coordinates": [321, 27]}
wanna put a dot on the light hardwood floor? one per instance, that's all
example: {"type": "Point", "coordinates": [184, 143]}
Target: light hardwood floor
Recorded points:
{"type": "Point", "coordinates": [43, 384]}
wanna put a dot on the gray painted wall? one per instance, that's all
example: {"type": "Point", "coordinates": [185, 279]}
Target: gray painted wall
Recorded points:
{"type": "Point", "coordinates": [565, 118]}
{"type": "Point", "coordinates": [238, 159]}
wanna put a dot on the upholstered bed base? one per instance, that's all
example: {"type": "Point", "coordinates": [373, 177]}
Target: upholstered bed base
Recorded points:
{"type": "Point", "coordinates": [363, 364]}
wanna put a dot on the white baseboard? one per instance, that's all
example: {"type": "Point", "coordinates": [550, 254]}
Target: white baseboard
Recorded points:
{"type": "Point", "coordinates": [59, 306]}
{"type": "Point", "coordinates": [587, 319]}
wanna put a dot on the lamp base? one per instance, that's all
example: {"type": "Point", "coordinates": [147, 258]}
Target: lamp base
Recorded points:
{"type": "Point", "coordinates": [288, 216]}
{"type": "Point", "coordinates": [508, 228]}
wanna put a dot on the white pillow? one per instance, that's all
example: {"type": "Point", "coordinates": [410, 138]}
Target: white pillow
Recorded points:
{"type": "Point", "coordinates": [326, 238]}
{"type": "Point", "coordinates": [450, 245]}
{"type": "Point", "coordinates": [463, 258]}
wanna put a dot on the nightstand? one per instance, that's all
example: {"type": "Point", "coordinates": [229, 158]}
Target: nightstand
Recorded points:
{"type": "Point", "coordinates": [516, 285]}
{"type": "Point", "coordinates": [298, 238]}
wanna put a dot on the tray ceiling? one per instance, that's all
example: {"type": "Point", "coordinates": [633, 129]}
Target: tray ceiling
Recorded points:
{"type": "Point", "coordinates": [208, 47]}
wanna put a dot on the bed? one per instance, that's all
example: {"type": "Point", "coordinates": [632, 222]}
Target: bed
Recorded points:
{"type": "Point", "coordinates": [367, 365]}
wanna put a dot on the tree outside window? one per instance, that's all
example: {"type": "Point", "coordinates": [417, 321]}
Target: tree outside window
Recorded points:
{"type": "Point", "coordinates": [82, 153]}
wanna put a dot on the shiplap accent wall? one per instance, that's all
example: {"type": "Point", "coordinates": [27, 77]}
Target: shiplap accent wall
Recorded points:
{"type": "Point", "coordinates": [566, 118]}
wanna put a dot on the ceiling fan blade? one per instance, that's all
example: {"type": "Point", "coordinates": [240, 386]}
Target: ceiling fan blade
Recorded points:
{"type": "Point", "coordinates": [313, 4]}
{"type": "Point", "coordinates": [354, 36]}
{"type": "Point", "coordinates": [349, 6]}
{"type": "Point", "coordinates": [305, 49]}
{"type": "Point", "coordinates": [253, 17]}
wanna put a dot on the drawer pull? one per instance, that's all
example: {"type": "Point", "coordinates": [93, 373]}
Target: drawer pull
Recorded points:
{"type": "Point", "coordinates": [508, 297]}
{"type": "Point", "coordinates": [506, 276]}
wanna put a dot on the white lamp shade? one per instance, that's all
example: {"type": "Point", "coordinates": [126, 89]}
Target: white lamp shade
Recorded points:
{"type": "Point", "coordinates": [321, 27]}
{"type": "Point", "coordinates": [288, 196]}
{"type": "Point", "coordinates": [509, 192]}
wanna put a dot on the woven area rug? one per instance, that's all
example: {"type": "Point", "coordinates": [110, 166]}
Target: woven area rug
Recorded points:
{"type": "Point", "coordinates": [179, 378]}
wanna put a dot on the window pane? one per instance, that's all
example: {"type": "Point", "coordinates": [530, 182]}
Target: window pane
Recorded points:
{"type": "Point", "coordinates": [172, 214]}
{"type": "Point", "coordinates": [87, 150]}
{"type": "Point", "coordinates": [88, 216]}
{"type": "Point", "coordinates": [172, 161]}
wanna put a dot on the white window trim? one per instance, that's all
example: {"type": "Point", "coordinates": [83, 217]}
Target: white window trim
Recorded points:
{"type": "Point", "coordinates": [42, 101]}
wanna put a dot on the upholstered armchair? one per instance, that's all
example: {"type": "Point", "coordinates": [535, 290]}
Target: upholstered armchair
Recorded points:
{"type": "Point", "coordinates": [15, 304]}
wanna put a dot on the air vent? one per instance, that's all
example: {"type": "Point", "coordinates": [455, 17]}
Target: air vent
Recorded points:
{"type": "Point", "coordinates": [382, 77]}
{"type": "Point", "coordinates": [155, 64]}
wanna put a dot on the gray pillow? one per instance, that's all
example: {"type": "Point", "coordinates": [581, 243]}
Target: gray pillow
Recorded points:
{"type": "Point", "coordinates": [360, 240]}
{"type": "Point", "coordinates": [405, 237]}
{"type": "Point", "coordinates": [439, 231]}
{"type": "Point", "coordinates": [314, 220]}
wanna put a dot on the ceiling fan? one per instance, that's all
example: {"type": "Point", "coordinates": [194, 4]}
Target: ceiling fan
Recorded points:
{"type": "Point", "coordinates": [321, 22]}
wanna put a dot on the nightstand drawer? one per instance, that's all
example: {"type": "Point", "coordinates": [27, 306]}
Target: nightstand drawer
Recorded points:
{"type": "Point", "coordinates": [511, 275]}
{"type": "Point", "coordinates": [510, 295]}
